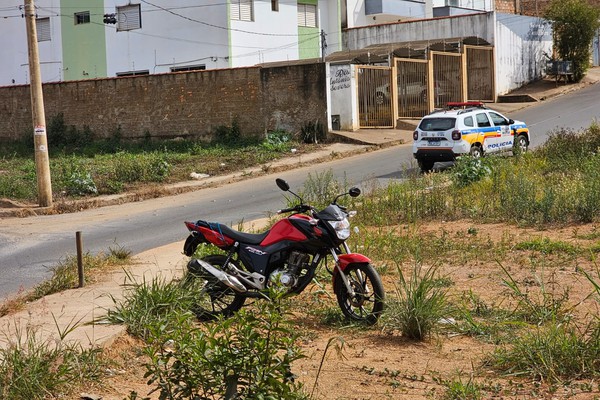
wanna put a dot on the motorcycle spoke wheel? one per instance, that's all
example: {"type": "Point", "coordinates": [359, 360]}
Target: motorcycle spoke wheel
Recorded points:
{"type": "Point", "coordinates": [213, 298]}
{"type": "Point", "coordinates": [366, 304]}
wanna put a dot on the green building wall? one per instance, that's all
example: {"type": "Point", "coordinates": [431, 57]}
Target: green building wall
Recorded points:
{"type": "Point", "coordinates": [84, 45]}
{"type": "Point", "coordinates": [309, 40]}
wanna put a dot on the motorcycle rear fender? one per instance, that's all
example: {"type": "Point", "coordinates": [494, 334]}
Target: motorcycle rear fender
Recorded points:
{"type": "Point", "coordinates": [192, 242]}
{"type": "Point", "coordinates": [202, 232]}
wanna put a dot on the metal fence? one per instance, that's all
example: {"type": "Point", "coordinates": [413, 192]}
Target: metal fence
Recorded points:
{"type": "Point", "coordinates": [412, 87]}
{"type": "Point", "coordinates": [375, 94]}
{"type": "Point", "coordinates": [480, 73]}
{"type": "Point", "coordinates": [447, 78]}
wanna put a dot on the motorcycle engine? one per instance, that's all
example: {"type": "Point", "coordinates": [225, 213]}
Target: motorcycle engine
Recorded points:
{"type": "Point", "coordinates": [287, 276]}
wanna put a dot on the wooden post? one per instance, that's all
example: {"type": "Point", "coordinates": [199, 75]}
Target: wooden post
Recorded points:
{"type": "Point", "coordinates": [42, 162]}
{"type": "Point", "coordinates": [79, 244]}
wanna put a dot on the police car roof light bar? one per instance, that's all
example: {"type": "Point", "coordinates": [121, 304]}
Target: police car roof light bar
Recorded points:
{"type": "Point", "coordinates": [454, 104]}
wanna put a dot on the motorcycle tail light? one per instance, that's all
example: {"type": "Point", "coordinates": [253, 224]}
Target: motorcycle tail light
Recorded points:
{"type": "Point", "coordinates": [456, 135]}
{"type": "Point", "coordinates": [415, 135]}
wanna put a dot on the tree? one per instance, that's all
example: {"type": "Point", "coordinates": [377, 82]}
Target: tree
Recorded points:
{"type": "Point", "coordinates": [574, 23]}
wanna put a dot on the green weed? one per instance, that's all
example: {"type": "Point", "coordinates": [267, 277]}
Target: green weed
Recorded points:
{"type": "Point", "coordinates": [554, 353]}
{"type": "Point", "coordinates": [421, 304]}
{"type": "Point", "coordinates": [541, 306]}
{"type": "Point", "coordinates": [32, 368]}
{"type": "Point", "coordinates": [457, 389]}
{"type": "Point", "coordinates": [546, 246]}
{"type": "Point", "coordinates": [65, 274]}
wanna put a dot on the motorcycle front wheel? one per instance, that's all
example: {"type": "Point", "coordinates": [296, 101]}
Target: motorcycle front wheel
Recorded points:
{"type": "Point", "coordinates": [213, 298]}
{"type": "Point", "coordinates": [366, 304]}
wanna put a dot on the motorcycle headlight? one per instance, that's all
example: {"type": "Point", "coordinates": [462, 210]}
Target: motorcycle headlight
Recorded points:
{"type": "Point", "coordinates": [342, 228]}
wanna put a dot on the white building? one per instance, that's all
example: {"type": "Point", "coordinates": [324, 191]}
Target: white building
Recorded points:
{"type": "Point", "coordinates": [83, 39]}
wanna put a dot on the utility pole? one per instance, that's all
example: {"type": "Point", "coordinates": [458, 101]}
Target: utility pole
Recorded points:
{"type": "Point", "coordinates": [40, 141]}
{"type": "Point", "coordinates": [323, 45]}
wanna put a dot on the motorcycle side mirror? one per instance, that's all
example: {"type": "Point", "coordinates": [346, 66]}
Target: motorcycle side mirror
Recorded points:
{"type": "Point", "coordinates": [281, 184]}
{"type": "Point", "coordinates": [354, 192]}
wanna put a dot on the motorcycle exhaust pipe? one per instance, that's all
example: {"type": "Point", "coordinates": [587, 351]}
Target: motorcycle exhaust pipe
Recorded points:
{"type": "Point", "coordinates": [223, 277]}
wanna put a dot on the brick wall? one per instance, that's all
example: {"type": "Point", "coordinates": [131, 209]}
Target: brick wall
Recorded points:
{"type": "Point", "coordinates": [170, 105]}
{"type": "Point", "coordinates": [537, 7]}
{"type": "Point", "coordinates": [506, 6]}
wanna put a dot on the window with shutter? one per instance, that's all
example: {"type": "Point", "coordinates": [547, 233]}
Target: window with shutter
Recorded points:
{"type": "Point", "coordinates": [307, 15]}
{"type": "Point", "coordinates": [129, 17]}
{"type": "Point", "coordinates": [42, 26]}
{"type": "Point", "coordinates": [242, 10]}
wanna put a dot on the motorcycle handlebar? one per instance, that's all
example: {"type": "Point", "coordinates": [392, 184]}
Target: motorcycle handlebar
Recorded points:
{"type": "Point", "coordinates": [298, 208]}
{"type": "Point", "coordinates": [286, 210]}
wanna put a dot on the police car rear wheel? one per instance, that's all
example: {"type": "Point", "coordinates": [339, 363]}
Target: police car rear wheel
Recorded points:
{"type": "Point", "coordinates": [425, 165]}
{"type": "Point", "coordinates": [476, 151]}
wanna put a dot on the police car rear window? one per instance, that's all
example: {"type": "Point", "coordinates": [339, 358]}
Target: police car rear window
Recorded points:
{"type": "Point", "coordinates": [437, 124]}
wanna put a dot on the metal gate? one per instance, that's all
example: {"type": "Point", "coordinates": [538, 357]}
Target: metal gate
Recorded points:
{"type": "Point", "coordinates": [480, 73]}
{"type": "Point", "coordinates": [412, 87]}
{"type": "Point", "coordinates": [375, 94]}
{"type": "Point", "coordinates": [447, 78]}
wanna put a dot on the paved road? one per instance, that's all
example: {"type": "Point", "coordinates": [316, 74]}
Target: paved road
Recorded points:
{"type": "Point", "coordinates": [28, 246]}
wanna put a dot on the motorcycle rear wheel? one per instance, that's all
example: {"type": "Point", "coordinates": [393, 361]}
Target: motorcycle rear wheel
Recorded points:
{"type": "Point", "coordinates": [214, 298]}
{"type": "Point", "coordinates": [366, 305]}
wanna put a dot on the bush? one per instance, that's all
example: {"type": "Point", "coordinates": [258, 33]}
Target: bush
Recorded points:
{"type": "Point", "coordinates": [248, 356]}
{"type": "Point", "coordinates": [312, 132]}
{"type": "Point", "coordinates": [61, 136]}
{"type": "Point", "coordinates": [277, 141]}
{"type": "Point", "coordinates": [468, 169]}
{"type": "Point", "coordinates": [228, 135]}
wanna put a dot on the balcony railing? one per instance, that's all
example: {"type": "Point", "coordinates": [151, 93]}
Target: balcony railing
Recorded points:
{"type": "Point", "coordinates": [482, 5]}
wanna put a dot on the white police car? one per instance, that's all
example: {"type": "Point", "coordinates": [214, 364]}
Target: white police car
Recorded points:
{"type": "Point", "coordinates": [466, 128]}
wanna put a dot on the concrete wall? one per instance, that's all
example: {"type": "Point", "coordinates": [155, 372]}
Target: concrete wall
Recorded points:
{"type": "Point", "coordinates": [520, 45]}
{"type": "Point", "coordinates": [343, 98]}
{"type": "Point", "coordinates": [481, 25]}
{"type": "Point", "coordinates": [178, 104]}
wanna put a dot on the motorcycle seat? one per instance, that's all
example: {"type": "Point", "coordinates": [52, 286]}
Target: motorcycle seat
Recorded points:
{"type": "Point", "coordinates": [242, 237]}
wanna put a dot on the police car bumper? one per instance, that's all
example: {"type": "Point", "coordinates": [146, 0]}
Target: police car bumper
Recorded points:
{"type": "Point", "coordinates": [427, 151]}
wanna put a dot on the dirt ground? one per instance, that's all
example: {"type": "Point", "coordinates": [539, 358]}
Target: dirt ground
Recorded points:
{"type": "Point", "coordinates": [378, 363]}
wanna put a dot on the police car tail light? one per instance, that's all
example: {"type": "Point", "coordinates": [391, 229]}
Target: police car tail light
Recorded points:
{"type": "Point", "coordinates": [415, 135]}
{"type": "Point", "coordinates": [456, 135]}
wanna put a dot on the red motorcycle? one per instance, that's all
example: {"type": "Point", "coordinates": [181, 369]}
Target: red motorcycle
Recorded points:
{"type": "Point", "coordinates": [285, 256]}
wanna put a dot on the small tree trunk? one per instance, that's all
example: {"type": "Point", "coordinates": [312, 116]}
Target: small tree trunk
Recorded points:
{"type": "Point", "coordinates": [231, 383]}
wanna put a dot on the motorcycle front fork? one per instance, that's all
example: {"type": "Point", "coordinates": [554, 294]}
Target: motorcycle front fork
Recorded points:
{"type": "Point", "coordinates": [341, 273]}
